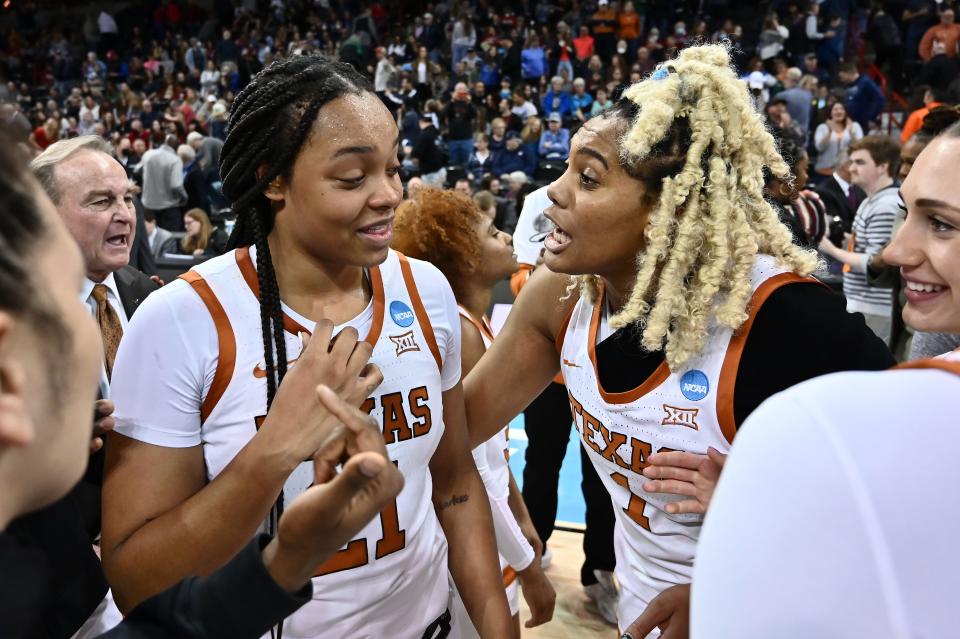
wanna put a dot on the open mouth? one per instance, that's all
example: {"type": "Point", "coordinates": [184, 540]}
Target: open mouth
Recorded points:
{"type": "Point", "coordinates": [557, 240]}
{"type": "Point", "coordinates": [118, 241]}
{"type": "Point", "coordinates": [380, 233]}
{"type": "Point", "coordinates": [919, 292]}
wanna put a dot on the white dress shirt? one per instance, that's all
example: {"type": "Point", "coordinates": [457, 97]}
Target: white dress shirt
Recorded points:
{"type": "Point", "coordinates": [113, 297]}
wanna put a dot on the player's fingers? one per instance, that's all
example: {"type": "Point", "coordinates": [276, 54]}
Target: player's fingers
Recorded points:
{"type": "Point", "coordinates": [716, 456]}
{"type": "Point", "coordinates": [103, 407]}
{"type": "Point", "coordinates": [671, 486]}
{"type": "Point", "coordinates": [358, 359]}
{"type": "Point", "coordinates": [103, 425]}
{"type": "Point", "coordinates": [361, 425]}
{"type": "Point", "coordinates": [95, 444]}
{"type": "Point", "coordinates": [677, 458]}
{"type": "Point", "coordinates": [322, 336]}
{"type": "Point", "coordinates": [367, 482]}
{"type": "Point", "coordinates": [344, 344]}
{"type": "Point", "coordinates": [643, 625]}
{"type": "Point", "coordinates": [669, 472]}
{"type": "Point", "coordinates": [685, 506]}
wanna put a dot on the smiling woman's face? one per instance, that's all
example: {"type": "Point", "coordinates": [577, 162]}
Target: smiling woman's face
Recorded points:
{"type": "Point", "coordinates": [597, 208]}
{"type": "Point", "coordinates": [927, 246]}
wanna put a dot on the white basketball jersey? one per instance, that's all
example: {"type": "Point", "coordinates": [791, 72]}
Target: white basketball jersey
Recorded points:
{"type": "Point", "coordinates": [495, 454]}
{"type": "Point", "coordinates": [688, 410]}
{"type": "Point", "coordinates": [391, 580]}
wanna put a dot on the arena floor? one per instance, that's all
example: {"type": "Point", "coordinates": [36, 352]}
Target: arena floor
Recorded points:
{"type": "Point", "coordinates": [575, 614]}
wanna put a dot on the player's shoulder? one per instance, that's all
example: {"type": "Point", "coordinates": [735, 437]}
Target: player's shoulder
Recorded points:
{"type": "Point", "coordinates": [178, 301]}
{"type": "Point", "coordinates": [431, 283]}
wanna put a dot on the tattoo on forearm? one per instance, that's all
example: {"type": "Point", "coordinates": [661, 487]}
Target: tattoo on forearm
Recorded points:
{"type": "Point", "coordinates": [453, 501]}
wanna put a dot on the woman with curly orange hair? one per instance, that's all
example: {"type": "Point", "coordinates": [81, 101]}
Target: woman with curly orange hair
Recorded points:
{"type": "Point", "coordinates": [448, 229]}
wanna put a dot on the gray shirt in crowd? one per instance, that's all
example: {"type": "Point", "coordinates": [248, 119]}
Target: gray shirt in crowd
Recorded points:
{"type": "Point", "coordinates": [162, 179]}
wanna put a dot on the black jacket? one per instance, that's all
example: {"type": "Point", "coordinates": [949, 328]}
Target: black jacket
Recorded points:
{"type": "Point", "coordinates": [62, 533]}
{"type": "Point", "coordinates": [238, 601]}
{"type": "Point", "coordinates": [427, 152]}
{"type": "Point", "coordinates": [836, 202]}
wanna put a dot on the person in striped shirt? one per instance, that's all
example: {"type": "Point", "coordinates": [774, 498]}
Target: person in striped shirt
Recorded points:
{"type": "Point", "coordinates": [873, 163]}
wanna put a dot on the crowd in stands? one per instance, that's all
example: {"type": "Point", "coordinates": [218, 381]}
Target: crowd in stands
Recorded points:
{"type": "Point", "coordinates": [479, 88]}
{"type": "Point", "coordinates": [486, 94]}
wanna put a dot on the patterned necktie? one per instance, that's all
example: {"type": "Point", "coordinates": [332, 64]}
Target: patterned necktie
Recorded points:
{"type": "Point", "coordinates": [853, 199]}
{"type": "Point", "coordinates": [110, 328]}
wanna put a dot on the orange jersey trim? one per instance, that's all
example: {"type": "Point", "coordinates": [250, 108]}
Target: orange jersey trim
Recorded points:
{"type": "Point", "coordinates": [509, 576]}
{"type": "Point", "coordinates": [519, 279]}
{"type": "Point", "coordinates": [482, 325]}
{"type": "Point", "coordinates": [293, 326]}
{"type": "Point", "coordinates": [419, 310]}
{"type": "Point", "coordinates": [226, 343]}
{"type": "Point", "coordinates": [938, 364]}
{"type": "Point", "coordinates": [731, 361]}
{"type": "Point", "coordinates": [656, 378]}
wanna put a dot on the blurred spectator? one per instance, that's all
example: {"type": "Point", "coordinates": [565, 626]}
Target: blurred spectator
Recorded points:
{"type": "Point", "coordinates": [163, 190]}
{"type": "Point", "coordinates": [201, 240]}
{"type": "Point", "coordinates": [932, 98]}
{"type": "Point", "coordinates": [426, 153]}
{"type": "Point", "coordinates": [584, 45]}
{"type": "Point", "coordinates": [940, 70]}
{"type": "Point", "coordinates": [581, 100]}
{"type": "Point", "coordinates": [481, 160]}
{"type": "Point", "coordinates": [194, 183]}
{"type": "Point", "coordinates": [511, 158]}
{"type": "Point", "coordinates": [604, 24]}
{"type": "Point", "coordinates": [533, 60]}
{"type": "Point", "coordinates": [799, 100]}
{"type": "Point", "coordinates": [487, 203]}
{"type": "Point", "coordinates": [863, 97]}
{"type": "Point", "coordinates": [555, 141]}
{"type": "Point", "coordinates": [522, 108]}
{"type": "Point", "coordinates": [833, 137]}
{"type": "Point", "coordinates": [464, 37]}
{"type": "Point", "coordinates": [947, 32]}
{"type": "Point", "coordinates": [779, 119]}
{"type": "Point", "coordinates": [44, 136]}
{"type": "Point", "coordinates": [461, 116]}
{"type": "Point", "coordinates": [208, 154]}
{"type": "Point", "coordinates": [157, 237]}
{"type": "Point", "coordinates": [841, 197]}
{"type": "Point", "coordinates": [602, 103]}
{"type": "Point", "coordinates": [557, 99]}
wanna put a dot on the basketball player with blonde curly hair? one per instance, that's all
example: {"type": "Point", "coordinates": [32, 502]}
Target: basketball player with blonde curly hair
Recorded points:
{"type": "Point", "coordinates": [674, 303]}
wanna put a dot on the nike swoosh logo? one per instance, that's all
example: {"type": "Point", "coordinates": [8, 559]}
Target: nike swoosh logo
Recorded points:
{"type": "Point", "coordinates": [261, 373]}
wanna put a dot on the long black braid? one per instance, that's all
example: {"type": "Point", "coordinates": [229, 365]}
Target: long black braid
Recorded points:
{"type": "Point", "coordinates": [270, 122]}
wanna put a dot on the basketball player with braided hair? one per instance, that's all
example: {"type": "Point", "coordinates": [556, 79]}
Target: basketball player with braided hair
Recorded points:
{"type": "Point", "coordinates": [673, 302]}
{"type": "Point", "coordinates": [310, 167]}
{"type": "Point", "coordinates": [449, 230]}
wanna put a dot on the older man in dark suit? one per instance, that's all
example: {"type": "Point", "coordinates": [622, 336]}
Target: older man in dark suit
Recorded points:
{"type": "Point", "coordinates": [93, 196]}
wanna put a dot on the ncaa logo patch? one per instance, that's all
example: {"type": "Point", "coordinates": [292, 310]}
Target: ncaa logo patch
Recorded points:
{"type": "Point", "coordinates": [401, 314]}
{"type": "Point", "coordinates": [694, 385]}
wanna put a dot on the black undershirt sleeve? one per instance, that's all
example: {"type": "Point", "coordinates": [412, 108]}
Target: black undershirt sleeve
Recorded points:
{"type": "Point", "coordinates": [802, 331]}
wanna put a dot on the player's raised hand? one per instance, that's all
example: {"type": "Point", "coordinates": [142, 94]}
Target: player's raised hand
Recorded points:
{"type": "Point", "coordinates": [298, 425]}
{"type": "Point", "coordinates": [669, 611]}
{"type": "Point", "coordinates": [687, 474]}
{"type": "Point", "coordinates": [332, 511]}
